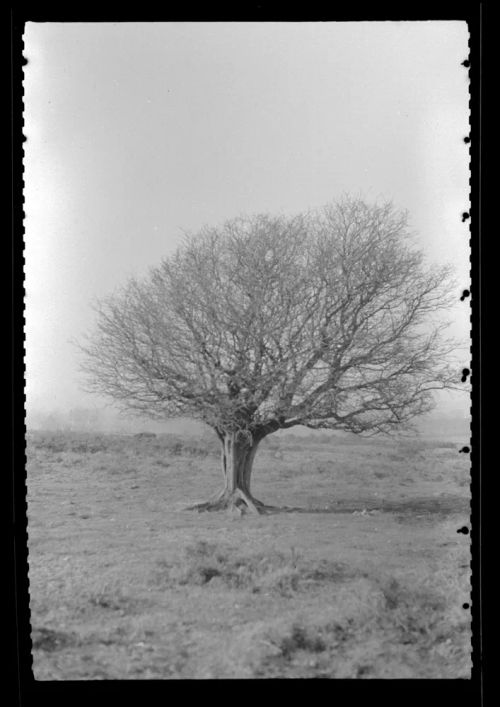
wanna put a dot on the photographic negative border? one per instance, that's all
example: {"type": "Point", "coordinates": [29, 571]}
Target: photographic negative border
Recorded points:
{"type": "Point", "coordinates": [30, 691]}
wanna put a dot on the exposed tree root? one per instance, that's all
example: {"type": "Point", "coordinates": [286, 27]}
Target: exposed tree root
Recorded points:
{"type": "Point", "coordinates": [237, 500]}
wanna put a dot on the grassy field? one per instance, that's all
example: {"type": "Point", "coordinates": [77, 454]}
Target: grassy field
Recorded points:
{"type": "Point", "coordinates": [365, 578]}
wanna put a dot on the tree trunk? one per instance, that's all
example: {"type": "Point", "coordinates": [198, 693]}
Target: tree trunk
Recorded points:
{"type": "Point", "coordinates": [237, 458]}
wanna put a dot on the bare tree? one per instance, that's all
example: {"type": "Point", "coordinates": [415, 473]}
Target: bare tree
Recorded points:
{"type": "Point", "coordinates": [326, 320]}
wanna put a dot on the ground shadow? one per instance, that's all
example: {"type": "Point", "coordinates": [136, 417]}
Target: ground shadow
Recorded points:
{"type": "Point", "coordinates": [416, 506]}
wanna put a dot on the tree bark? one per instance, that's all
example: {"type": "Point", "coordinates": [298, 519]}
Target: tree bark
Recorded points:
{"type": "Point", "coordinates": [237, 456]}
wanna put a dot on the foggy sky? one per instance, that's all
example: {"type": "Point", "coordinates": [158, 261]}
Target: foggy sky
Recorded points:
{"type": "Point", "coordinates": [138, 131]}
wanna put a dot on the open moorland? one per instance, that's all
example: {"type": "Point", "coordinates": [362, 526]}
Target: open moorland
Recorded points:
{"type": "Point", "coordinates": [362, 574]}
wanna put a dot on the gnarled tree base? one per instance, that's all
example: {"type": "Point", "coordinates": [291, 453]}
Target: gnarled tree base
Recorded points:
{"type": "Point", "coordinates": [237, 500]}
{"type": "Point", "coordinates": [237, 455]}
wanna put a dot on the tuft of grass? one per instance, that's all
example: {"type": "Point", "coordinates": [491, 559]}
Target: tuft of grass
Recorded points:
{"type": "Point", "coordinates": [322, 467]}
{"type": "Point", "coordinates": [301, 638]}
{"type": "Point", "coordinates": [110, 600]}
{"type": "Point", "coordinates": [47, 639]}
{"type": "Point", "coordinates": [274, 572]}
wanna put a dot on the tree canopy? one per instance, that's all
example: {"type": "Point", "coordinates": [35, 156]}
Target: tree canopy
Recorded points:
{"type": "Point", "coordinates": [325, 319]}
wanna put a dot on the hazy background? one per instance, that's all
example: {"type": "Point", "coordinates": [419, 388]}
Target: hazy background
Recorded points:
{"type": "Point", "coordinates": [138, 131]}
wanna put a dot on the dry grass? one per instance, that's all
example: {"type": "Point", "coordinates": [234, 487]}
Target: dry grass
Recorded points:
{"type": "Point", "coordinates": [365, 579]}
